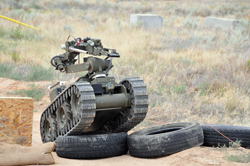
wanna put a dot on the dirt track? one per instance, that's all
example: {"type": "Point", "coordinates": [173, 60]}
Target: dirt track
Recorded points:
{"type": "Point", "coordinates": [198, 156]}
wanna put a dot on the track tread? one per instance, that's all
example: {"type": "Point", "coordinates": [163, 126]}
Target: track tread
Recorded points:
{"type": "Point", "coordinates": [130, 117]}
{"type": "Point", "coordinates": [86, 97]}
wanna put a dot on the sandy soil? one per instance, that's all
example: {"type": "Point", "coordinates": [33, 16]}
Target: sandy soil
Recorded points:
{"type": "Point", "coordinates": [198, 156]}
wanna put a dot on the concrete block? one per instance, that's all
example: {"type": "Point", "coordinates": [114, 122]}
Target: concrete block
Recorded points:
{"type": "Point", "coordinates": [222, 23]}
{"type": "Point", "coordinates": [16, 119]}
{"type": "Point", "coordinates": [147, 21]}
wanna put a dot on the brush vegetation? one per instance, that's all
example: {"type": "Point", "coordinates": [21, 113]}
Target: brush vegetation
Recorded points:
{"type": "Point", "coordinates": [32, 90]}
{"type": "Point", "coordinates": [192, 73]}
{"type": "Point", "coordinates": [239, 158]}
{"type": "Point", "coordinates": [234, 153]}
{"type": "Point", "coordinates": [25, 72]}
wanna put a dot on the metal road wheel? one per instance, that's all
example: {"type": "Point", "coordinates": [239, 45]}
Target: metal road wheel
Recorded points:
{"type": "Point", "coordinates": [64, 115]}
{"type": "Point", "coordinates": [49, 129]}
{"type": "Point", "coordinates": [75, 105]}
{"type": "Point", "coordinates": [61, 119]}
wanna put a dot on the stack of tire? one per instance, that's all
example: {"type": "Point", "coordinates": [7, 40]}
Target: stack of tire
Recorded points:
{"type": "Point", "coordinates": [151, 142]}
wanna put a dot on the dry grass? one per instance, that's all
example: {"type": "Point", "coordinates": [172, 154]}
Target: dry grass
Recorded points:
{"type": "Point", "coordinates": [192, 73]}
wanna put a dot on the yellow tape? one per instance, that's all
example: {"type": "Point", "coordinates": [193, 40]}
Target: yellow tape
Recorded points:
{"type": "Point", "coordinates": [18, 22]}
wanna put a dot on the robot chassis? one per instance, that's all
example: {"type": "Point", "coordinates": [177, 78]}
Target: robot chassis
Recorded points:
{"type": "Point", "coordinates": [94, 103]}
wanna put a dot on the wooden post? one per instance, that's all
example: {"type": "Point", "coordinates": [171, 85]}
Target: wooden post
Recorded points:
{"type": "Point", "coordinates": [16, 119]}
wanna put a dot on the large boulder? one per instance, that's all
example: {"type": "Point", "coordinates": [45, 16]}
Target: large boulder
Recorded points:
{"type": "Point", "coordinates": [147, 21]}
{"type": "Point", "coordinates": [221, 23]}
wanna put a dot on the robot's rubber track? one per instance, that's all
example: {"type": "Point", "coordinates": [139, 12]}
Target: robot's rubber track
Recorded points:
{"type": "Point", "coordinates": [132, 116]}
{"type": "Point", "coordinates": [80, 121]}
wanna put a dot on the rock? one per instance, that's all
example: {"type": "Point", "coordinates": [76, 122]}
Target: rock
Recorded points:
{"type": "Point", "coordinates": [147, 21]}
{"type": "Point", "coordinates": [222, 23]}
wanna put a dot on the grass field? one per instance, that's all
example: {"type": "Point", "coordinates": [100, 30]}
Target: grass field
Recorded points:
{"type": "Point", "coordinates": [192, 73]}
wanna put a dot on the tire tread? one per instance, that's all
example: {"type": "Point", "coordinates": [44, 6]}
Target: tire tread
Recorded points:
{"type": "Point", "coordinates": [91, 146]}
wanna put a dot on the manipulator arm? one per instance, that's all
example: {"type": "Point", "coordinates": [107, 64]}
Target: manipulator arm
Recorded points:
{"type": "Point", "coordinates": [57, 62]}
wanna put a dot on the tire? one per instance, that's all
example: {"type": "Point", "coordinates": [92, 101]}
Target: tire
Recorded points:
{"type": "Point", "coordinates": [213, 138]}
{"type": "Point", "coordinates": [164, 140]}
{"type": "Point", "coordinates": [92, 146]}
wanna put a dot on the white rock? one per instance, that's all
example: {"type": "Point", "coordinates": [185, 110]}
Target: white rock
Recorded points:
{"type": "Point", "coordinates": [147, 21]}
{"type": "Point", "coordinates": [222, 23]}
